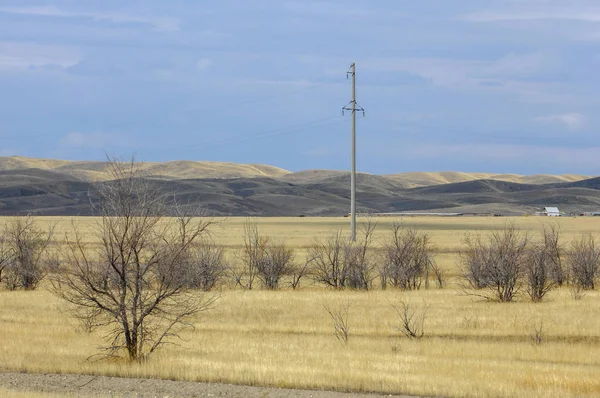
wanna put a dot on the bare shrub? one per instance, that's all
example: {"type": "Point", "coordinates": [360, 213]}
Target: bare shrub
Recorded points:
{"type": "Point", "coordinates": [207, 265]}
{"type": "Point", "coordinates": [300, 271]}
{"type": "Point", "coordinates": [328, 255]}
{"type": "Point", "coordinates": [278, 261]}
{"type": "Point", "coordinates": [537, 333]}
{"type": "Point", "coordinates": [339, 316]}
{"type": "Point", "coordinates": [135, 284]}
{"type": "Point", "coordinates": [341, 264]}
{"type": "Point", "coordinates": [265, 259]}
{"type": "Point", "coordinates": [253, 254]}
{"type": "Point", "coordinates": [555, 253]}
{"type": "Point", "coordinates": [495, 263]}
{"type": "Point", "coordinates": [538, 270]}
{"type": "Point", "coordinates": [412, 319]}
{"type": "Point", "coordinates": [24, 251]}
{"type": "Point", "coordinates": [584, 262]}
{"type": "Point", "coordinates": [409, 260]}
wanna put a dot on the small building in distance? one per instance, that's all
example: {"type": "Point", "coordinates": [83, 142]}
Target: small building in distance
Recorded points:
{"type": "Point", "coordinates": [549, 212]}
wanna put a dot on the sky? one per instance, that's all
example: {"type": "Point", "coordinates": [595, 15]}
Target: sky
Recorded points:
{"type": "Point", "coordinates": [504, 86]}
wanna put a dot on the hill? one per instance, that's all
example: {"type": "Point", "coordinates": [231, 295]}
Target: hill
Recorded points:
{"type": "Point", "coordinates": [56, 187]}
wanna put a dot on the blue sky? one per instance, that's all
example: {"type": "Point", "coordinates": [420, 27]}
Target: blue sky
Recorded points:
{"type": "Point", "coordinates": [467, 85]}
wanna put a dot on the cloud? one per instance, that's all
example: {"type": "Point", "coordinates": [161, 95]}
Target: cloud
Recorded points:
{"type": "Point", "coordinates": [8, 152]}
{"type": "Point", "coordinates": [204, 63]}
{"type": "Point", "coordinates": [94, 140]}
{"type": "Point", "coordinates": [25, 55]}
{"type": "Point", "coordinates": [320, 152]}
{"type": "Point", "coordinates": [540, 14]}
{"type": "Point", "coordinates": [159, 23]}
{"type": "Point", "coordinates": [572, 121]}
{"type": "Point", "coordinates": [542, 157]}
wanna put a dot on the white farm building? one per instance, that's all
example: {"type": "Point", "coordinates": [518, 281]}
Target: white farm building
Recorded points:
{"type": "Point", "coordinates": [549, 212]}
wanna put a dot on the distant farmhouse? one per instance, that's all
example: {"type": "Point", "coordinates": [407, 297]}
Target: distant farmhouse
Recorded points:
{"type": "Point", "coordinates": [549, 212]}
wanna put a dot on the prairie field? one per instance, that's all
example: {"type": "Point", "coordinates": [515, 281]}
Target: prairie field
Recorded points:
{"type": "Point", "coordinates": [471, 347]}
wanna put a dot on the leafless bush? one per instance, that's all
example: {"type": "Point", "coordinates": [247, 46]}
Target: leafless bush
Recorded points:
{"type": "Point", "coordinates": [278, 261]}
{"type": "Point", "coordinates": [538, 268]}
{"type": "Point", "coordinates": [412, 319]}
{"type": "Point", "coordinates": [495, 263]}
{"type": "Point", "coordinates": [24, 253]}
{"type": "Point", "coordinates": [300, 271]}
{"type": "Point", "coordinates": [328, 257]}
{"type": "Point", "coordinates": [584, 262]}
{"type": "Point", "coordinates": [409, 260]}
{"type": "Point", "coordinates": [537, 333]}
{"type": "Point", "coordinates": [555, 253]}
{"type": "Point", "coordinates": [339, 316]}
{"type": "Point", "coordinates": [135, 283]}
{"type": "Point", "coordinates": [267, 260]}
{"type": "Point", "coordinates": [341, 264]}
{"type": "Point", "coordinates": [207, 266]}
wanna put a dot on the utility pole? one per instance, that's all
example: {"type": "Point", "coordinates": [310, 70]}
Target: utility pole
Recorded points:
{"type": "Point", "coordinates": [353, 107]}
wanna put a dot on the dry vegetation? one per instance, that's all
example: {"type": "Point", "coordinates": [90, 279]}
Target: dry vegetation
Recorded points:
{"type": "Point", "coordinates": [285, 337]}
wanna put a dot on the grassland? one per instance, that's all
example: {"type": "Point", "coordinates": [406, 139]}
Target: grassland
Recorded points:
{"type": "Point", "coordinates": [284, 338]}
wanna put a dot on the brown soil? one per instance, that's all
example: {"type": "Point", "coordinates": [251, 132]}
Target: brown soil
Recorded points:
{"type": "Point", "coordinates": [100, 386]}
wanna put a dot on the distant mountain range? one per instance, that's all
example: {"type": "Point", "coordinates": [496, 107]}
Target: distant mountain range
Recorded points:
{"type": "Point", "coordinates": [58, 187]}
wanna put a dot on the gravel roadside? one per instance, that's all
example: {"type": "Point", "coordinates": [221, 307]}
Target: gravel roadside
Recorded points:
{"type": "Point", "coordinates": [101, 386]}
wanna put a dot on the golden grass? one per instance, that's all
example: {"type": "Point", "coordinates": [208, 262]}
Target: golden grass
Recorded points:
{"type": "Point", "coordinates": [284, 339]}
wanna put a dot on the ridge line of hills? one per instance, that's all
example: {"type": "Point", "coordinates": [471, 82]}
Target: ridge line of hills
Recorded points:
{"type": "Point", "coordinates": [59, 187]}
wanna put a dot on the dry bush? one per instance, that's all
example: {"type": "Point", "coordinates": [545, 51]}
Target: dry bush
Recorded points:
{"type": "Point", "coordinates": [409, 260]}
{"type": "Point", "coordinates": [538, 270]}
{"type": "Point", "coordinates": [24, 255]}
{"type": "Point", "coordinates": [266, 260]}
{"type": "Point", "coordinates": [555, 253]}
{"type": "Point", "coordinates": [412, 319]}
{"type": "Point", "coordinates": [496, 263]}
{"type": "Point", "coordinates": [339, 316]}
{"type": "Point", "coordinates": [134, 285]}
{"type": "Point", "coordinates": [341, 264]}
{"type": "Point", "coordinates": [584, 262]}
{"type": "Point", "coordinates": [328, 255]}
{"type": "Point", "coordinates": [207, 266]}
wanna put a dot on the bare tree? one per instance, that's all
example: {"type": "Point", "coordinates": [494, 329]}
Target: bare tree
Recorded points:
{"type": "Point", "coordinates": [207, 265]}
{"type": "Point", "coordinates": [409, 260]}
{"type": "Point", "coordinates": [495, 263]}
{"type": "Point", "coordinates": [339, 316]}
{"type": "Point", "coordinates": [24, 253]}
{"type": "Point", "coordinates": [277, 262]}
{"type": "Point", "coordinates": [135, 283]}
{"type": "Point", "coordinates": [265, 259]}
{"type": "Point", "coordinates": [341, 264]}
{"type": "Point", "coordinates": [538, 268]}
{"type": "Point", "coordinates": [555, 253]}
{"type": "Point", "coordinates": [584, 262]}
{"type": "Point", "coordinates": [412, 319]}
{"type": "Point", "coordinates": [300, 271]}
{"type": "Point", "coordinates": [328, 258]}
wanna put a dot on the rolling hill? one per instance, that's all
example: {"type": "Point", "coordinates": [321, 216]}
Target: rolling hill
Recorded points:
{"type": "Point", "coordinates": [57, 187]}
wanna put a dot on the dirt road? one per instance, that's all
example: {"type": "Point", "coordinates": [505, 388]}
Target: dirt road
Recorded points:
{"type": "Point", "coordinates": [100, 386]}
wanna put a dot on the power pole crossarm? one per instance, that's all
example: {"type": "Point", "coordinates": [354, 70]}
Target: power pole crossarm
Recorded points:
{"type": "Point", "coordinates": [353, 107]}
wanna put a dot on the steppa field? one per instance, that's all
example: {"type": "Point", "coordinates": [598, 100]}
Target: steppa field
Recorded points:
{"type": "Point", "coordinates": [470, 347]}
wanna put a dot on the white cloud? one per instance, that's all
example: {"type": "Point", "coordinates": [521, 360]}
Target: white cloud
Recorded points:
{"type": "Point", "coordinates": [8, 152]}
{"type": "Point", "coordinates": [320, 152]}
{"type": "Point", "coordinates": [159, 23]}
{"type": "Point", "coordinates": [24, 55]}
{"type": "Point", "coordinates": [543, 157]}
{"type": "Point", "coordinates": [204, 64]}
{"type": "Point", "coordinates": [572, 121]}
{"type": "Point", "coordinates": [94, 140]}
{"type": "Point", "coordinates": [539, 14]}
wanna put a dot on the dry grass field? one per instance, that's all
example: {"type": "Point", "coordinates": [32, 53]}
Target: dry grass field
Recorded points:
{"type": "Point", "coordinates": [285, 338]}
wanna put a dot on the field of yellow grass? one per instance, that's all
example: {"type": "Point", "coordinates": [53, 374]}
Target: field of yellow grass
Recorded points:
{"type": "Point", "coordinates": [285, 338]}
